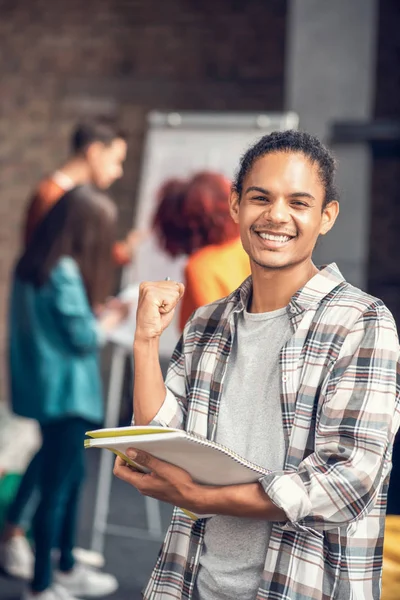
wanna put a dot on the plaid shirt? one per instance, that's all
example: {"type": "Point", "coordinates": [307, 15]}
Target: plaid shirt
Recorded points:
{"type": "Point", "coordinates": [340, 407]}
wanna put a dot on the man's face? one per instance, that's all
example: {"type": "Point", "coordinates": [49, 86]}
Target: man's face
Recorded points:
{"type": "Point", "coordinates": [280, 213]}
{"type": "Point", "coordinates": [106, 162]}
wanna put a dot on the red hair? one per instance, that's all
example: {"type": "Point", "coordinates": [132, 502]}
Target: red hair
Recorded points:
{"type": "Point", "coordinates": [194, 213]}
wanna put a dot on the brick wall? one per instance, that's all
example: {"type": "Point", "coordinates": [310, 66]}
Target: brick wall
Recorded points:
{"type": "Point", "coordinates": [384, 262]}
{"type": "Point", "coordinates": [66, 58]}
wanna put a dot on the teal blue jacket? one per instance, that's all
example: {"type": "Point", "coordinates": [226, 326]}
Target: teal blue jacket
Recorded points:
{"type": "Point", "coordinates": [54, 341]}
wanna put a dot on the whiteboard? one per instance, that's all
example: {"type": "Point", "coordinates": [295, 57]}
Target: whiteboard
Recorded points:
{"type": "Point", "coordinates": [179, 145]}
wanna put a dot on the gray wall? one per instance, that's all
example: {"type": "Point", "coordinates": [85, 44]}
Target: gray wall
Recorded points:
{"type": "Point", "coordinates": [330, 67]}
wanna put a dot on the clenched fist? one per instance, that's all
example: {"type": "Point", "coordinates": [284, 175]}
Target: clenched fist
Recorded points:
{"type": "Point", "coordinates": [156, 307]}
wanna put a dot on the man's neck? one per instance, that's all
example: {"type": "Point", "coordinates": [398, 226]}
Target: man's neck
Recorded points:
{"type": "Point", "coordinates": [273, 288]}
{"type": "Point", "coordinates": [77, 170]}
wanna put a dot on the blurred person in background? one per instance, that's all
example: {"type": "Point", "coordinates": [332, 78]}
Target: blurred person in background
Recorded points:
{"type": "Point", "coordinates": [98, 153]}
{"type": "Point", "coordinates": [193, 219]}
{"type": "Point", "coordinates": [54, 339]}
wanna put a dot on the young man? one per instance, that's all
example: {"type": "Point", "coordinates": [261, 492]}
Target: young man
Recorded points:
{"type": "Point", "coordinates": [297, 372]}
{"type": "Point", "coordinates": [98, 154]}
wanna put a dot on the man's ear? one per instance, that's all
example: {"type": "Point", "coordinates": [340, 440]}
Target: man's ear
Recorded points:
{"type": "Point", "coordinates": [234, 202]}
{"type": "Point", "coordinates": [93, 150]}
{"type": "Point", "coordinates": [329, 216]}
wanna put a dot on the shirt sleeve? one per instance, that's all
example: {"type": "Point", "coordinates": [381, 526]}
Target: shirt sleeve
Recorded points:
{"type": "Point", "coordinates": [355, 427]}
{"type": "Point", "coordinates": [77, 323]}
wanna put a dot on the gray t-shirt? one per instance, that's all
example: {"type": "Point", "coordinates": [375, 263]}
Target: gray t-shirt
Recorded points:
{"type": "Point", "coordinates": [250, 423]}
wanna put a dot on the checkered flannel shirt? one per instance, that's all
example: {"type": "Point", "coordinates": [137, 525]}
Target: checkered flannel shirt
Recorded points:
{"type": "Point", "coordinates": [340, 409]}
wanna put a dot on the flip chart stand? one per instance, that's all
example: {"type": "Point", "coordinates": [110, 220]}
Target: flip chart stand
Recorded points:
{"type": "Point", "coordinates": [101, 526]}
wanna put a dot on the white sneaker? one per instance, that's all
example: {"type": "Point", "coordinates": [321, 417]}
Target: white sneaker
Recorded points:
{"type": "Point", "coordinates": [17, 558]}
{"type": "Point", "coordinates": [55, 592]}
{"type": "Point", "coordinates": [84, 581]}
{"type": "Point", "coordinates": [90, 558]}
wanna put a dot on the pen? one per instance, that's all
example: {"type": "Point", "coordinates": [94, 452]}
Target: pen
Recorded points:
{"type": "Point", "coordinates": [163, 306]}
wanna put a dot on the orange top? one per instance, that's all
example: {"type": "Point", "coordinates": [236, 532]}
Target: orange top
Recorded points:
{"type": "Point", "coordinates": [213, 273]}
{"type": "Point", "coordinates": [48, 192]}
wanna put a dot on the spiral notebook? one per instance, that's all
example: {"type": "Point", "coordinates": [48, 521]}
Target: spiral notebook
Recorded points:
{"type": "Point", "coordinates": [207, 462]}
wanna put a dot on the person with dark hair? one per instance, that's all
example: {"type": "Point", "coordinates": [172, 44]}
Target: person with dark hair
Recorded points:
{"type": "Point", "coordinates": [297, 371]}
{"type": "Point", "coordinates": [54, 338]}
{"type": "Point", "coordinates": [98, 152]}
{"type": "Point", "coordinates": [193, 219]}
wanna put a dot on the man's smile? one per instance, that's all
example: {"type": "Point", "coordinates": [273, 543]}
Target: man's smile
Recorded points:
{"type": "Point", "coordinates": [272, 240]}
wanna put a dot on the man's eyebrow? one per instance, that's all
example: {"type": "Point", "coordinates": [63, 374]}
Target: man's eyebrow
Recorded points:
{"type": "Point", "coordinates": [256, 188]}
{"type": "Point", "coordinates": [302, 195]}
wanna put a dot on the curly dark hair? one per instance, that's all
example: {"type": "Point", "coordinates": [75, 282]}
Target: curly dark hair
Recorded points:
{"type": "Point", "coordinates": [297, 142]}
{"type": "Point", "coordinates": [194, 213]}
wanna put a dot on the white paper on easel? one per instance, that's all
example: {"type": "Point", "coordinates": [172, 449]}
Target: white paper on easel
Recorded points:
{"type": "Point", "coordinates": [124, 333]}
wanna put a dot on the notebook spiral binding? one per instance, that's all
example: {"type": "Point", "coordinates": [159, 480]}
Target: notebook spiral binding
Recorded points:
{"type": "Point", "coordinates": [243, 461]}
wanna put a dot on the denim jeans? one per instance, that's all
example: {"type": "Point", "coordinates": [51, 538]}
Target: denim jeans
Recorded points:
{"type": "Point", "coordinates": [61, 473]}
{"type": "Point", "coordinates": [25, 503]}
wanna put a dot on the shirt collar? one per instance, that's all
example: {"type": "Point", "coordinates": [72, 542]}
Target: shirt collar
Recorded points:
{"type": "Point", "coordinates": [319, 286]}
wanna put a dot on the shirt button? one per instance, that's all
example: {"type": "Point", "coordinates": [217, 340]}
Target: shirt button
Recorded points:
{"type": "Point", "coordinates": [293, 309]}
{"type": "Point", "coordinates": [285, 378]}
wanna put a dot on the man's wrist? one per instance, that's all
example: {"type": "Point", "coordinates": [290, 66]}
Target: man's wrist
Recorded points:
{"type": "Point", "coordinates": [247, 500]}
{"type": "Point", "coordinates": [109, 321]}
{"type": "Point", "coordinates": [144, 343]}
{"type": "Point", "coordinates": [205, 499]}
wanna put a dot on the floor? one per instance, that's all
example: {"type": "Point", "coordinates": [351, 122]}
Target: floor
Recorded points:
{"type": "Point", "coordinates": [129, 559]}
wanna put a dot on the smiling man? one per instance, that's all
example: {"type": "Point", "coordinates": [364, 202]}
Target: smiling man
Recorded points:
{"type": "Point", "coordinates": [295, 371]}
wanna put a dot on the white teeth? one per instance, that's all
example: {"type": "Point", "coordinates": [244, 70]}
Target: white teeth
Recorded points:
{"type": "Point", "coordinates": [274, 238]}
